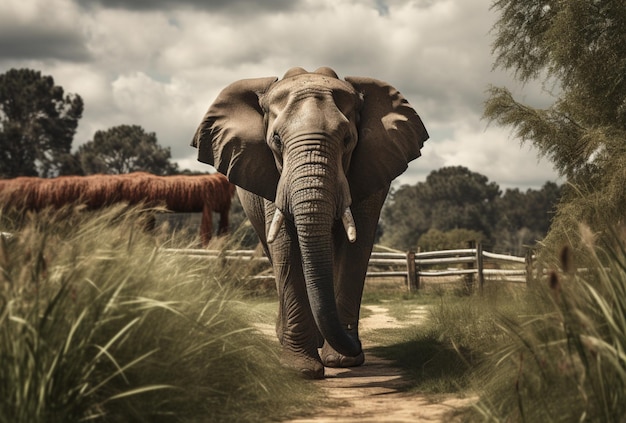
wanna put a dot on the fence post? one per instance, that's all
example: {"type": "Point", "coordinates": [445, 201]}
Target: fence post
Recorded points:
{"type": "Point", "coordinates": [411, 272]}
{"type": "Point", "coordinates": [529, 266]}
{"type": "Point", "coordinates": [480, 266]}
{"type": "Point", "coordinates": [469, 278]}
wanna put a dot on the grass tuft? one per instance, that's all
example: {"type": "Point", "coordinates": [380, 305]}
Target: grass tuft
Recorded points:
{"type": "Point", "coordinates": [97, 323]}
{"type": "Point", "coordinates": [441, 354]}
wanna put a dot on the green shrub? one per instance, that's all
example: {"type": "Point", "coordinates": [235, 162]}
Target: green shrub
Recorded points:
{"type": "Point", "coordinates": [97, 323]}
{"type": "Point", "coordinates": [435, 240]}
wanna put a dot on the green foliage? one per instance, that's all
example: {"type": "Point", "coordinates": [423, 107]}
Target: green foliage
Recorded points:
{"type": "Point", "coordinates": [455, 198]}
{"type": "Point", "coordinates": [579, 47]}
{"type": "Point", "coordinates": [529, 209]}
{"type": "Point", "coordinates": [524, 218]}
{"type": "Point", "coordinates": [125, 149]}
{"type": "Point", "coordinates": [403, 217]}
{"type": "Point", "coordinates": [451, 197]}
{"type": "Point", "coordinates": [435, 240]}
{"type": "Point", "coordinates": [37, 124]}
{"type": "Point", "coordinates": [99, 324]}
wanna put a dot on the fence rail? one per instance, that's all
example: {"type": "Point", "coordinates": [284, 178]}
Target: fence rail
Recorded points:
{"type": "Point", "coordinates": [410, 265]}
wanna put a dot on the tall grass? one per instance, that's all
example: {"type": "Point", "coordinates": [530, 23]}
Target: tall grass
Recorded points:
{"type": "Point", "coordinates": [441, 354]}
{"type": "Point", "coordinates": [98, 324]}
{"type": "Point", "coordinates": [554, 352]}
{"type": "Point", "coordinates": [566, 359]}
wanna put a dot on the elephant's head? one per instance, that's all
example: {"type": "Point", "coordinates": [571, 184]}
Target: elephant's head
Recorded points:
{"type": "Point", "coordinates": [312, 144]}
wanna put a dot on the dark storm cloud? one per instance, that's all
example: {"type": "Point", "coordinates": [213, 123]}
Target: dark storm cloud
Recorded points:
{"type": "Point", "coordinates": [36, 42]}
{"type": "Point", "coordinates": [218, 6]}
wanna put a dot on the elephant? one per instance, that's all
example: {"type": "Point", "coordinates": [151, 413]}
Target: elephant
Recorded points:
{"type": "Point", "coordinates": [313, 158]}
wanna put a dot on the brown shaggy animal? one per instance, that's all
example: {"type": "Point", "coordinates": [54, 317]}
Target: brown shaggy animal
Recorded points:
{"type": "Point", "coordinates": [179, 193]}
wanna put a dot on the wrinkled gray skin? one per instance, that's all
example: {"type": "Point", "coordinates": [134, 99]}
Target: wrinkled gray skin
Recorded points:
{"type": "Point", "coordinates": [313, 145]}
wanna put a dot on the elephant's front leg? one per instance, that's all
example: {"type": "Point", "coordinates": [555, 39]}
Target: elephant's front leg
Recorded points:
{"type": "Point", "coordinates": [295, 326]}
{"type": "Point", "coordinates": [351, 262]}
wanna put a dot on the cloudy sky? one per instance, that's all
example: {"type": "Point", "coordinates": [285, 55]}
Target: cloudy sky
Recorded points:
{"type": "Point", "coordinates": [160, 63]}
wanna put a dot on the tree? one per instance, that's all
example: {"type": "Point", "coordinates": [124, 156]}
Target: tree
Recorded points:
{"type": "Point", "coordinates": [125, 149]}
{"type": "Point", "coordinates": [456, 205]}
{"type": "Point", "coordinates": [404, 218]}
{"type": "Point", "coordinates": [460, 198]}
{"type": "Point", "coordinates": [540, 206]}
{"type": "Point", "coordinates": [580, 47]}
{"type": "Point", "coordinates": [37, 124]}
{"type": "Point", "coordinates": [524, 218]}
{"type": "Point", "coordinates": [451, 198]}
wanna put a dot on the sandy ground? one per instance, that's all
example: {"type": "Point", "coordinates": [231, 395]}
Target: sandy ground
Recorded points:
{"type": "Point", "coordinates": [373, 392]}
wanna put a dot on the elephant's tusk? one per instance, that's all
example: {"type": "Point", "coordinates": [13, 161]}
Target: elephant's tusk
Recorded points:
{"type": "Point", "coordinates": [348, 224]}
{"type": "Point", "coordinates": [277, 222]}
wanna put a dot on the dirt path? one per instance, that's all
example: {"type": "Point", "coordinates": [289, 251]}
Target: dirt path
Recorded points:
{"type": "Point", "coordinates": [373, 392]}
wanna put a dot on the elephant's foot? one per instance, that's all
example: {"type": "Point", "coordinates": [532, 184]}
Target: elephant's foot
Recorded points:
{"type": "Point", "coordinates": [331, 358]}
{"type": "Point", "coordinates": [308, 366]}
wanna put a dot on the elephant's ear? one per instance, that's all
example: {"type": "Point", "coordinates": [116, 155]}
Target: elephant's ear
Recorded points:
{"type": "Point", "coordinates": [391, 134]}
{"type": "Point", "coordinates": [231, 138]}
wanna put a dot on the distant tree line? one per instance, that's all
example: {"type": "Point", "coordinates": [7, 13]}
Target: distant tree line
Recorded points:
{"type": "Point", "coordinates": [38, 122]}
{"type": "Point", "coordinates": [455, 205]}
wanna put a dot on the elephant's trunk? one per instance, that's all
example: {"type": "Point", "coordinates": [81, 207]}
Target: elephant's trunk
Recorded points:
{"type": "Point", "coordinates": [314, 218]}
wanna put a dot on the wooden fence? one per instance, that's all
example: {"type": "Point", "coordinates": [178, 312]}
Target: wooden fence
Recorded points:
{"type": "Point", "coordinates": [470, 264]}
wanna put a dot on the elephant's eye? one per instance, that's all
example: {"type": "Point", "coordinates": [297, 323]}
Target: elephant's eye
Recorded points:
{"type": "Point", "coordinates": [277, 141]}
{"type": "Point", "coordinates": [349, 141]}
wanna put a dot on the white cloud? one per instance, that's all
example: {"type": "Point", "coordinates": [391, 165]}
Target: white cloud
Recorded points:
{"type": "Point", "coordinates": [162, 107]}
{"type": "Point", "coordinates": [124, 41]}
{"type": "Point", "coordinates": [489, 151]}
